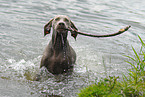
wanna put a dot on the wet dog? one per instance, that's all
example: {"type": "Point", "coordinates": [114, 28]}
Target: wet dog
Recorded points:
{"type": "Point", "coordinates": [58, 56]}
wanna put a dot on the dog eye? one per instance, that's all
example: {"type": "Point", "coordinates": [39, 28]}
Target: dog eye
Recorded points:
{"type": "Point", "coordinates": [66, 20]}
{"type": "Point", "coordinates": [57, 19]}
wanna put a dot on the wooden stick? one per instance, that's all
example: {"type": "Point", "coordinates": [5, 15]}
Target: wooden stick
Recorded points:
{"type": "Point", "coordinates": [107, 35]}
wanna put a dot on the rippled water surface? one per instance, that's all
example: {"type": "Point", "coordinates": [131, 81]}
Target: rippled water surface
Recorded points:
{"type": "Point", "coordinates": [22, 43]}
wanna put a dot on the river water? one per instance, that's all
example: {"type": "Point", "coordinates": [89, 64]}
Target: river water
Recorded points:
{"type": "Point", "coordinates": [22, 43]}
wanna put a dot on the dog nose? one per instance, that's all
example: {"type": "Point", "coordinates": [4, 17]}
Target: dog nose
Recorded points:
{"type": "Point", "coordinates": [61, 24]}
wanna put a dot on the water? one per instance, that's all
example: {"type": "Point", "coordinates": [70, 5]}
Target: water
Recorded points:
{"type": "Point", "coordinates": [22, 43]}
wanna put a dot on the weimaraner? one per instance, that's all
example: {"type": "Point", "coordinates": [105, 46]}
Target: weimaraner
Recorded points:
{"type": "Point", "coordinates": [59, 56]}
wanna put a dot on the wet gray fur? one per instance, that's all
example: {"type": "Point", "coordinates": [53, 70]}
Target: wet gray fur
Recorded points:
{"type": "Point", "coordinates": [58, 56]}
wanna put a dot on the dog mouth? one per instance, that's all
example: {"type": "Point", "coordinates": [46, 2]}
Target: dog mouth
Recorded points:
{"type": "Point", "coordinates": [61, 29]}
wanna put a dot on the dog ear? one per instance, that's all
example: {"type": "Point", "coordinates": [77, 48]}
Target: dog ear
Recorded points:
{"type": "Point", "coordinates": [47, 27]}
{"type": "Point", "coordinates": [74, 28]}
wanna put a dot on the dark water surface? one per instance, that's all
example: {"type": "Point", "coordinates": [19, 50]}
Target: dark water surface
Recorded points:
{"type": "Point", "coordinates": [22, 43]}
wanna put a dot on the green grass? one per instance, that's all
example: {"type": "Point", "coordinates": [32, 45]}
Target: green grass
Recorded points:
{"type": "Point", "coordinates": [132, 85]}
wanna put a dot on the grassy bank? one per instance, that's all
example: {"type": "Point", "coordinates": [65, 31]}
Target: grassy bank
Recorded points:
{"type": "Point", "coordinates": [132, 85]}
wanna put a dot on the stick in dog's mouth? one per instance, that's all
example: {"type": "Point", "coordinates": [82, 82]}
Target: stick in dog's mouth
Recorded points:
{"type": "Point", "coordinates": [99, 36]}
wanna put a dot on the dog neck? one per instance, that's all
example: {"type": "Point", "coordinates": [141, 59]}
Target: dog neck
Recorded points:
{"type": "Point", "coordinates": [59, 43]}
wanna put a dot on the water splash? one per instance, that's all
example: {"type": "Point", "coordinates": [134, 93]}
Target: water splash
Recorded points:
{"type": "Point", "coordinates": [22, 68]}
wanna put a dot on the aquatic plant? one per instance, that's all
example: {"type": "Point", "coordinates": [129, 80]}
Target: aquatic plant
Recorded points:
{"type": "Point", "coordinates": [132, 85]}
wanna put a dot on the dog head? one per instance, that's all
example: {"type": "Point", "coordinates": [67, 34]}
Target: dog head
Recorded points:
{"type": "Point", "coordinates": [60, 25]}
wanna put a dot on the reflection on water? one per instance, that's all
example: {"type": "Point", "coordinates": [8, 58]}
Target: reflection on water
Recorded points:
{"type": "Point", "coordinates": [22, 43]}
